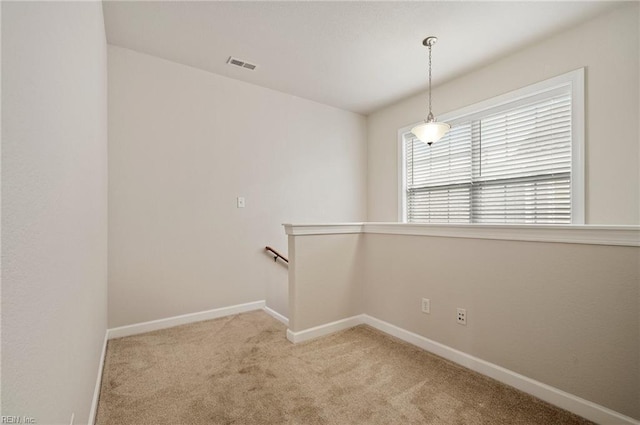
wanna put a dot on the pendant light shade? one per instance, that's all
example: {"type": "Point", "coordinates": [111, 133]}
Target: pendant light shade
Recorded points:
{"type": "Point", "coordinates": [430, 131]}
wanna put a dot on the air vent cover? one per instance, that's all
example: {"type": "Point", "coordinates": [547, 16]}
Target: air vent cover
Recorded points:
{"type": "Point", "coordinates": [242, 64]}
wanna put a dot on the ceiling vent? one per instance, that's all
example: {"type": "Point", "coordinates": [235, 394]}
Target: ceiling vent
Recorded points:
{"type": "Point", "coordinates": [240, 63]}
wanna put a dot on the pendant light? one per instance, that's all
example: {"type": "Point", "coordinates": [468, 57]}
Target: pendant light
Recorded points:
{"type": "Point", "coordinates": [430, 130]}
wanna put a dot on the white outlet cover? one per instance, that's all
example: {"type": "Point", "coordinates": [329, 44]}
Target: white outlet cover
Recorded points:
{"type": "Point", "coordinates": [461, 317]}
{"type": "Point", "coordinates": [426, 305]}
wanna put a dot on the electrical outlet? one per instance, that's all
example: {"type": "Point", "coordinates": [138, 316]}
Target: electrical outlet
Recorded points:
{"type": "Point", "coordinates": [426, 305]}
{"type": "Point", "coordinates": [240, 202]}
{"type": "Point", "coordinates": [462, 316]}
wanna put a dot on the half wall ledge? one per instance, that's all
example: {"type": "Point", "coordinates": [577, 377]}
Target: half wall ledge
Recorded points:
{"type": "Point", "coordinates": [576, 234]}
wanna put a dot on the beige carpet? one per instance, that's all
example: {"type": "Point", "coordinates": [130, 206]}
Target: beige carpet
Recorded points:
{"type": "Point", "coordinates": [242, 370]}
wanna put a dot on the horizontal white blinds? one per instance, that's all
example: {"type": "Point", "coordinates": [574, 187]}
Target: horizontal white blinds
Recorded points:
{"type": "Point", "coordinates": [530, 200]}
{"type": "Point", "coordinates": [443, 163]}
{"type": "Point", "coordinates": [439, 205]}
{"type": "Point", "coordinates": [438, 178]}
{"type": "Point", "coordinates": [527, 141]}
{"type": "Point", "coordinates": [508, 167]}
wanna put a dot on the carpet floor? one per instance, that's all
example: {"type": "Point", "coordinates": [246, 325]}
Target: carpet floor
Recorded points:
{"type": "Point", "coordinates": [241, 370]}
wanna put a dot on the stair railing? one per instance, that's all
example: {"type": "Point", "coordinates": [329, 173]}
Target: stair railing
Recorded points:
{"type": "Point", "coordinates": [276, 254]}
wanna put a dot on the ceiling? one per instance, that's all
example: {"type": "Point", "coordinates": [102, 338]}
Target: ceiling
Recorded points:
{"type": "Point", "coordinates": [354, 55]}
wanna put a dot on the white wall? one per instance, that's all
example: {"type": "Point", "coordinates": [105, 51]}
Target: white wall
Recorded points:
{"type": "Point", "coordinates": [54, 207]}
{"type": "Point", "coordinates": [183, 144]}
{"type": "Point", "coordinates": [609, 49]}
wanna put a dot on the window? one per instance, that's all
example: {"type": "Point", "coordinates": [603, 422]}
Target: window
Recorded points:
{"type": "Point", "coordinates": [513, 159]}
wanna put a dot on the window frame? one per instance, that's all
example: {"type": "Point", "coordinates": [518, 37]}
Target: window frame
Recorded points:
{"type": "Point", "coordinates": [574, 80]}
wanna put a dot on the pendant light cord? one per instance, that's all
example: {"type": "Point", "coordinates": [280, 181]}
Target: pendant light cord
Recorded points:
{"type": "Point", "coordinates": [430, 116]}
{"type": "Point", "coordinates": [430, 130]}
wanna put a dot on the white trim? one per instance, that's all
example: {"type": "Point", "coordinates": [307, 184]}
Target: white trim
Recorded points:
{"type": "Point", "coordinates": [585, 408]}
{"type": "Point", "coordinates": [402, 170]}
{"type": "Point", "coordinates": [271, 312]}
{"type": "Point", "coordinates": [322, 229]}
{"type": "Point", "coordinates": [562, 399]}
{"type": "Point", "coordinates": [170, 322]}
{"type": "Point", "coordinates": [577, 147]}
{"type": "Point", "coordinates": [577, 234]}
{"type": "Point", "coordinates": [96, 391]}
{"type": "Point", "coordinates": [322, 330]}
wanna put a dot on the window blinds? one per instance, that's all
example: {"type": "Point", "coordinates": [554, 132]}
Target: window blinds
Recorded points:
{"type": "Point", "coordinates": [439, 178]}
{"type": "Point", "coordinates": [511, 165]}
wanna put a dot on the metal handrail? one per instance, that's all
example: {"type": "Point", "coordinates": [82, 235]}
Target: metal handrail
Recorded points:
{"type": "Point", "coordinates": [276, 254]}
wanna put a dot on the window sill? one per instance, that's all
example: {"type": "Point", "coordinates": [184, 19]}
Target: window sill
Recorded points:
{"type": "Point", "coordinates": [576, 234]}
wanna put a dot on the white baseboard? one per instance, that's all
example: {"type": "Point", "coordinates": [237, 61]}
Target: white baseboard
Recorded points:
{"type": "Point", "coordinates": [562, 399]}
{"type": "Point", "coordinates": [96, 391]}
{"type": "Point", "coordinates": [585, 408]}
{"type": "Point", "coordinates": [184, 319]}
{"type": "Point", "coordinates": [271, 312]}
{"type": "Point", "coordinates": [322, 330]}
